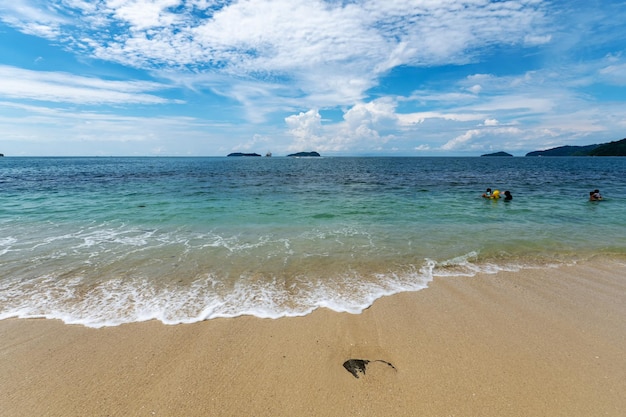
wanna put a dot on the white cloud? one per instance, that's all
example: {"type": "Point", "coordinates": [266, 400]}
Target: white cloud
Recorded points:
{"type": "Point", "coordinates": [253, 144]}
{"type": "Point", "coordinates": [145, 14]}
{"type": "Point", "coordinates": [305, 129]}
{"type": "Point", "coordinates": [65, 87]}
{"type": "Point", "coordinates": [378, 113]}
{"type": "Point", "coordinates": [533, 40]}
{"type": "Point", "coordinates": [283, 56]}
{"type": "Point", "coordinates": [38, 130]}
{"type": "Point", "coordinates": [460, 140]}
{"type": "Point", "coordinates": [475, 89]}
{"type": "Point", "coordinates": [416, 118]}
{"type": "Point", "coordinates": [467, 141]}
{"type": "Point", "coordinates": [366, 124]}
{"type": "Point", "coordinates": [516, 102]}
{"type": "Point", "coordinates": [326, 49]}
{"type": "Point", "coordinates": [32, 17]}
{"type": "Point", "coordinates": [614, 74]}
{"type": "Point", "coordinates": [441, 97]}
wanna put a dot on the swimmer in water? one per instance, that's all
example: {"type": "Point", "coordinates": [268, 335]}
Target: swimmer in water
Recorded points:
{"type": "Point", "coordinates": [595, 195]}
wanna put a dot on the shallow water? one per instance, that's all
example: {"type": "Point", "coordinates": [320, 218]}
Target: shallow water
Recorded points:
{"type": "Point", "coordinates": [104, 241]}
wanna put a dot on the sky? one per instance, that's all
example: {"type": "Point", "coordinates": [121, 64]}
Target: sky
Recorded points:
{"type": "Point", "coordinates": [340, 77]}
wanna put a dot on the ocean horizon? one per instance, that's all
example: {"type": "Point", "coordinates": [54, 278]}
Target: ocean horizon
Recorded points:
{"type": "Point", "coordinates": [102, 241]}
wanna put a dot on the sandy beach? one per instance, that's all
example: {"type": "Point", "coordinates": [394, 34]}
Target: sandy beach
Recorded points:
{"type": "Point", "coordinates": [542, 342]}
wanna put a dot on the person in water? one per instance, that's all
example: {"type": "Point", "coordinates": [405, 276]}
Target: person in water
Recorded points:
{"type": "Point", "coordinates": [491, 195]}
{"type": "Point", "coordinates": [508, 196]}
{"type": "Point", "coordinates": [595, 195]}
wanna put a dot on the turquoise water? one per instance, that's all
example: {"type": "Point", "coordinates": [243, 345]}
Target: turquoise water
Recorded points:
{"type": "Point", "coordinates": [105, 241]}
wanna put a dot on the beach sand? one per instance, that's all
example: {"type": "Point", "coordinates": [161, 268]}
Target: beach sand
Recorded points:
{"type": "Point", "coordinates": [542, 342]}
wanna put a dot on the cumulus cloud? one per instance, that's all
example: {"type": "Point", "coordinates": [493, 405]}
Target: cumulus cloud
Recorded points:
{"type": "Point", "coordinates": [378, 113]}
{"type": "Point", "coordinates": [305, 128]}
{"type": "Point", "coordinates": [366, 124]}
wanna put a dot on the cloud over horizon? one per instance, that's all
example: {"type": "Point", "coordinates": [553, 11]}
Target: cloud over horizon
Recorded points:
{"type": "Point", "coordinates": [346, 77]}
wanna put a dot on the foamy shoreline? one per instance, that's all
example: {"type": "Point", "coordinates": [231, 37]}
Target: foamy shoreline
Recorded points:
{"type": "Point", "coordinates": [537, 342]}
{"type": "Point", "coordinates": [111, 302]}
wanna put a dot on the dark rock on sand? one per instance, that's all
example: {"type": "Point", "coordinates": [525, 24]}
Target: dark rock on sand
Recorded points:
{"type": "Point", "coordinates": [358, 366]}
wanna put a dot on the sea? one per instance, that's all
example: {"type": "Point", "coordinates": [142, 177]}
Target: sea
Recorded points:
{"type": "Point", "coordinates": [103, 241]}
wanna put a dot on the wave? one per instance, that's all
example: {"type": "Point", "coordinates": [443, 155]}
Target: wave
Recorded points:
{"type": "Point", "coordinates": [113, 302]}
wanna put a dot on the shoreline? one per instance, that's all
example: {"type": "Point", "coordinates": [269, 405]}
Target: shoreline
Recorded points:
{"type": "Point", "coordinates": [534, 342]}
{"type": "Point", "coordinates": [116, 302]}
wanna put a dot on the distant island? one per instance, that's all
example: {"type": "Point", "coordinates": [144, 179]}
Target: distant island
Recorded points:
{"type": "Point", "coordinates": [616, 148]}
{"type": "Point", "coordinates": [242, 154]}
{"type": "Point", "coordinates": [304, 154]}
{"type": "Point", "coordinates": [297, 155]}
{"type": "Point", "coordinates": [497, 154]}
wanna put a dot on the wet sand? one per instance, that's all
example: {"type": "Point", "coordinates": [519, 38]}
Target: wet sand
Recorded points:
{"type": "Point", "coordinates": [549, 342]}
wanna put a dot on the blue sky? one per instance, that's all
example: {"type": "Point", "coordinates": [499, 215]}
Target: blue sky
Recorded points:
{"type": "Point", "coordinates": [342, 77]}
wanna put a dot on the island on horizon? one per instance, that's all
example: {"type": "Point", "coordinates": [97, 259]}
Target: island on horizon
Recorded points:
{"type": "Point", "coordinates": [304, 154]}
{"type": "Point", "coordinates": [615, 148]}
{"type": "Point", "coordinates": [242, 154]}
{"type": "Point", "coordinates": [296, 155]}
{"type": "Point", "coordinates": [497, 154]}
